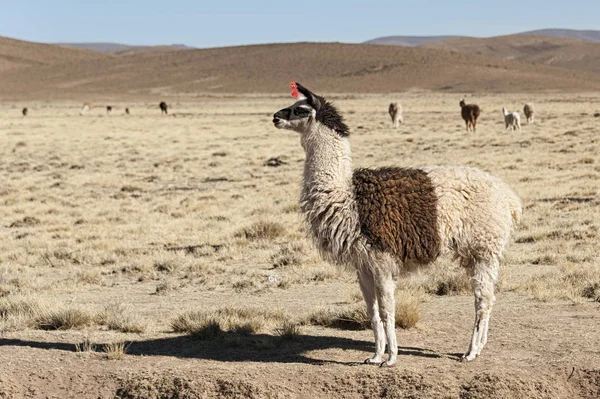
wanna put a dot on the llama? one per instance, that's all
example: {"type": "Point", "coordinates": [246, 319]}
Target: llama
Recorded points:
{"type": "Point", "coordinates": [126, 111]}
{"type": "Point", "coordinates": [163, 107]}
{"type": "Point", "coordinates": [85, 109]}
{"type": "Point", "coordinates": [25, 111]}
{"type": "Point", "coordinates": [512, 120]}
{"type": "Point", "coordinates": [108, 109]}
{"type": "Point", "coordinates": [529, 112]}
{"type": "Point", "coordinates": [381, 221]}
{"type": "Point", "coordinates": [470, 113]}
{"type": "Point", "coordinates": [395, 111]}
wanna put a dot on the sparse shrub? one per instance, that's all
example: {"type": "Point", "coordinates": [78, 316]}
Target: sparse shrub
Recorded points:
{"type": "Point", "coordinates": [64, 319]}
{"type": "Point", "coordinates": [213, 324]}
{"type": "Point", "coordinates": [456, 283]}
{"type": "Point", "coordinates": [591, 291]}
{"type": "Point", "coordinates": [288, 330]}
{"type": "Point", "coordinates": [262, 230]}
{"type": "Point", "coordinates": [115, 317]}
{"type": "Point", "coordinates": [165, 265]}
{"type": "Point", "coordinates": [27, 221]}
{"type": "Point", "coordinates": [116, 350]}
{"type": "Point", "coordinates": [242, 285]}
{"type": "Point", "coordinates": [408, 310]}
{"type": "Point", "coordinates": [354, 318]}
{"type": "Point", "coordinates": [288, 255]}
{"type": "Point", "coordinates": [86, 346]}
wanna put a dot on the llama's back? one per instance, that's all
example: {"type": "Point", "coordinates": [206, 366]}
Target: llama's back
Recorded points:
{"type": "Point", "coordinates": [476, 211]}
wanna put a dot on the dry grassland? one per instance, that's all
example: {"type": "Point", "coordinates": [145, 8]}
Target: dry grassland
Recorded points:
{"type": "Point", "coordinates": [173, 246]}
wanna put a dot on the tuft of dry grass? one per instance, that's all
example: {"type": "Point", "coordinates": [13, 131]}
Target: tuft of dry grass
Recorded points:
{"type": "Point", "coordinates": [63, 319]}
{"type": "Point", "coordinates": [115, 350]}
{"type": "Point", "coordinates": [213, 324]}
{"type": "Point", "coordinates": [408, 309]}
{"type": "Point", "coordinates": [288, 330]}
{"type": "Point", "coordinates": [86, 346]}
{"type": "Point", "coordinates": [116, 317]}
{"type": "Point", "coordinates": [262, 230]}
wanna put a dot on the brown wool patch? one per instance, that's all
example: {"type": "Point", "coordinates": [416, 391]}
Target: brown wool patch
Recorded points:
{"type": "Point", "coordinates": [398, 212]}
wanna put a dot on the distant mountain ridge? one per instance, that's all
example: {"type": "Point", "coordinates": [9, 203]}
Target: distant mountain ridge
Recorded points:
{"type": "Point", "coordinates": [411, 41]}
{"type": "Point", "coordinates": [121, 48]}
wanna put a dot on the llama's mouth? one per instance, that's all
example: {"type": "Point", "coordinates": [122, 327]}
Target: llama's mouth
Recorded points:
{"type": "Point", "coordinates": [278, 123]}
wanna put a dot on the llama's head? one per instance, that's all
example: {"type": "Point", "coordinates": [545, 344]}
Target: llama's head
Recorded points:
{"type": "Point", "coordinates": [504, 111]}
{"type": "Point", "coordinates": [308, 112]}
{"type": "Point", "coordinates": [462, 103]}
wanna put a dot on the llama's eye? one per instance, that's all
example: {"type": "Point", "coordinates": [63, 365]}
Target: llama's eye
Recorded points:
{"type": "Point", "coordinates": [301, 111]}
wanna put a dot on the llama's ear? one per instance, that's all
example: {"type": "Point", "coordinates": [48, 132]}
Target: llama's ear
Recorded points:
{"type": "Point", "coordinates": [313, 100]}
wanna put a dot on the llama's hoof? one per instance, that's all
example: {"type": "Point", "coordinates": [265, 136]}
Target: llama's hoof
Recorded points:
{"type": "Point", "coordinates": [388, 364]}
{"type": "Point", "coordinates": [373, 360]}
{"type": "Point", "coordinates": [467, 357]}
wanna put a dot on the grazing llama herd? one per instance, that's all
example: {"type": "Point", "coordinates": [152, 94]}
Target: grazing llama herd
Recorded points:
{"type": "Point", "coordinates": [382, 221]}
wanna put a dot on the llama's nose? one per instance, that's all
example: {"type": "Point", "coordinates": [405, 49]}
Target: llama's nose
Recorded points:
{"type": "Point", "coordinates": [283, 114]}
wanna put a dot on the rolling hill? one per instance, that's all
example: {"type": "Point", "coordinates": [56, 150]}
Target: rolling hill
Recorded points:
{"type": "Point", "coordinates": [330, 67]}
{"type": "Point", "coordinates": [571, 54]}
{"type": "Point", "coordinates": [16, 54]}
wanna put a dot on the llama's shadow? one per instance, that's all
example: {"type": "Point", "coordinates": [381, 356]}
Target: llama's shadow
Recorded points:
{"type": "Point", "coordinates": [235, 348]}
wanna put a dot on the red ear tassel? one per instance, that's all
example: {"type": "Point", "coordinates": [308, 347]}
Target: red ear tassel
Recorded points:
{"type": "Point", "coordinates": [294, 88]}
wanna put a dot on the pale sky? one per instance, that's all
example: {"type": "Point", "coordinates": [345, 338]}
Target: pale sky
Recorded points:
{"type": "Point", "coordinates": [224, 23]}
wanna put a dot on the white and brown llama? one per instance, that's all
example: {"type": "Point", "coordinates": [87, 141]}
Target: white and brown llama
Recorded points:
{"type": "Point", "coordinates": [382, 220]}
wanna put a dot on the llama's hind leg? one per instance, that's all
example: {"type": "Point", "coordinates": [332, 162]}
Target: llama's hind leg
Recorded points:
{"type": "Point", "coordinates": [484, 275]}
{"type": "Point", "coordinates": [385, 289]}
{"type": "Point", "coordinates": [367, 287]}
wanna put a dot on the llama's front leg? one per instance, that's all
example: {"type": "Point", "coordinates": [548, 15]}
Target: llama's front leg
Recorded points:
{"type": "Point", "coordinates": [483, 279]}
{"type": "Point", "coordinates": [385, 287]}
{"type": "Point", "coordinates": [367, 287]}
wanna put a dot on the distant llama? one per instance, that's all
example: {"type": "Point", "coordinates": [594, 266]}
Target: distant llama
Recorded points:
{"type": "Point", "coordinates": [108, 109]}
{"type": "Point", "coordinates": [381, 221]}
{"type": "Point", "coordinates": [25, 111]}
{"type": "Point", "coordinates": [395, 111]}
{"type": "Point", "coordinates": [529, 112]}
{"type": "Point", "coordinates": [512, 120]}
{"type": "Point", "coordinates": [127, 111]}
{"type": "Point", "coordinates": [470, 113]}
{"type": "Point", "coordinates": [85, 109]}
{"type": "Point", "coordinates": [163, 107]}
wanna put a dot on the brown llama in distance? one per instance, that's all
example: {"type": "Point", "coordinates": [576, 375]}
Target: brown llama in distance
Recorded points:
{"type": "Point", "coordinates": [108, 109]}
{"type": "Point", "coordinates": [127, 111]}
{"type": "Point", "coordinates": [163, 107]}
{"type": "Point", "coordinates": [470, 113]}
{"type": "Point", "coordinates": [529, 112]}
{"type": "Point", "coordinates": [25, 111]}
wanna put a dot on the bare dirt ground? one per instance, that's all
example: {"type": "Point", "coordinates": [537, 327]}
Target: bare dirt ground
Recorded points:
{"type": "Point", "coordinates": [122, 238]}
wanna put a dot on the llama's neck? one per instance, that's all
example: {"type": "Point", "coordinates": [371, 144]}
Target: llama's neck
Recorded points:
{"type": "Point", "coordinates": [328, 165]}
{"type": "Point", "coordinates": [327, 198]}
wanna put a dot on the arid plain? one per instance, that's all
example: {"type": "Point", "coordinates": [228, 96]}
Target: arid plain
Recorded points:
{"type": "Point", "coordinates": [165, 256]}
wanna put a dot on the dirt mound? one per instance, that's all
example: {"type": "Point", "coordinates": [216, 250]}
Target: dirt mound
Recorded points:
{"type": "Point", "coordinates": [371, 383]}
